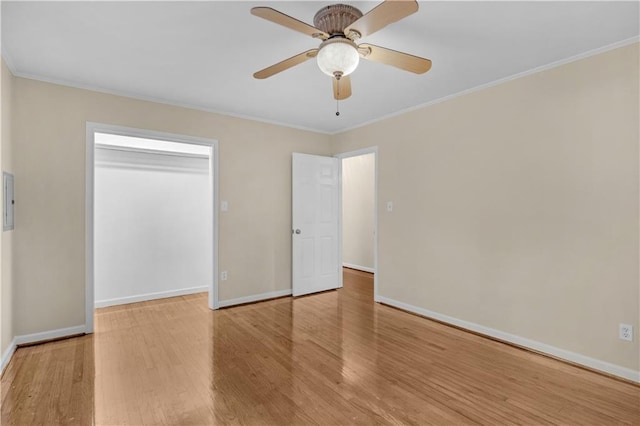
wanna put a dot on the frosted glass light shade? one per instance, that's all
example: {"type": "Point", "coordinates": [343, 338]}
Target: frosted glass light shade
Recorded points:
{"type": "Point", "coordinates": [338, 56]}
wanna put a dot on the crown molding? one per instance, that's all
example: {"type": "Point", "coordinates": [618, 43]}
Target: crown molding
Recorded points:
{"type": "Point", "coordinates": [8, 60]}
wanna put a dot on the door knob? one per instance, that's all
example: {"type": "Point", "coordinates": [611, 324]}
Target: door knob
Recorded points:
{"type": "Point", "coordinates": [298, 231]}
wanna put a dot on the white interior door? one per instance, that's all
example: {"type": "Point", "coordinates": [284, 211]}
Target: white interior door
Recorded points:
{"type": "Point", "coordinates": [316, 214]}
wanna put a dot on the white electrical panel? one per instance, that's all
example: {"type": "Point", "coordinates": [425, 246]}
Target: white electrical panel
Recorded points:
{"type": "Point", "coordinates": [8, 201]}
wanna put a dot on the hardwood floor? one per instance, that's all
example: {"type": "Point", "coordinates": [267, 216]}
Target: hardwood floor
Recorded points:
{"type": "Point", "coordinates": [332, 358]}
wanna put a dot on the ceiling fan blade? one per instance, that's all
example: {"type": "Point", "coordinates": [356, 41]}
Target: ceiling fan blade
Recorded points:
{"type": "Point", "coordinates": [341, 88]}
{"type": "Point", "coordinates": [394, 58]}
{"type": "Point", "coordinates": [286, 64]}
{"type": "Point", "coordinates": [287, 21]}
{"type": "Point", "coordinates": [387, 12]}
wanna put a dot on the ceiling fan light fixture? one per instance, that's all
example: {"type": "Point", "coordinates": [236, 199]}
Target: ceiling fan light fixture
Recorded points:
{"type": "Point", "coordinates": [338, 57]}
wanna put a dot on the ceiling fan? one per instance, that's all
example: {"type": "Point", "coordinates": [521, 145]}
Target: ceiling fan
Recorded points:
{"type": "Point", "coordinates": [339, 26]}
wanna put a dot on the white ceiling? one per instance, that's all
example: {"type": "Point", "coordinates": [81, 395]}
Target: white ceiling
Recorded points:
{"type": "Point", "coordinates": [203, 54]}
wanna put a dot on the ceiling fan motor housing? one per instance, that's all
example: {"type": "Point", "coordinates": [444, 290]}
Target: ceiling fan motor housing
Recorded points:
{"type": "Point", "coordinates": [335, 18]}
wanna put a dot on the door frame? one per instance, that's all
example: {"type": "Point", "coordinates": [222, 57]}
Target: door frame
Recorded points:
{"type": "Point", "coordinates": [370, 150]}
{"type": "Point", "coordinates": [91, 129]}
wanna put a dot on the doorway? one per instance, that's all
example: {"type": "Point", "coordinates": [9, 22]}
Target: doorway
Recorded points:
{"type": "Point", "coordinates": [146, 234]}
{"type": "Point", "coordinates": [359, 215]}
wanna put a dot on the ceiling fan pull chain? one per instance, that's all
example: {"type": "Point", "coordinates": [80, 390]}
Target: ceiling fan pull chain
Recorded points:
{"type": "Point", "coordinates": [338, 98]}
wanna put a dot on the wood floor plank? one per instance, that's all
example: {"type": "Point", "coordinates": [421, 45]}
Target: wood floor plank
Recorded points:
{"type": "Point", "coordinates": [331, 358]}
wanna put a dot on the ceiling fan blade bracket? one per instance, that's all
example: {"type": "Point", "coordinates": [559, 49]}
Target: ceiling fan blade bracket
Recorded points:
{"type": "Point", "coordinates": [354, 35]}
{"type": "Point", "coordinates": [364, 51]}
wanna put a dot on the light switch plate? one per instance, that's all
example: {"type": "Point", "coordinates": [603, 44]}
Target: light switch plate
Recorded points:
{"type": "Point", "coordinates": [389, 206]}
{"type": "Point", "coordinates": [224, 206]}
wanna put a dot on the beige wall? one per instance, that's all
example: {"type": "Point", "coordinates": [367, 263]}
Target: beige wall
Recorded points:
{"type": "Point", "coordinates": [516, 207]}
{"type": "Point", "coordinates": [358, 179]}
{"type": "Point", "coordinates": [6, 290]}
{"type": "Point", "coordinates": [49, 161]}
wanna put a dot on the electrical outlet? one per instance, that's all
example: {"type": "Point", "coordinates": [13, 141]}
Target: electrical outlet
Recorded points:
{"type": "Point", "coordinates": [626, 332]}
{"type": "Point", "coordinates": [224, 276]}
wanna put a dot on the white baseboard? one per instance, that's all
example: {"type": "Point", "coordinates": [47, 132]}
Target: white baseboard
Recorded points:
{"type": "Point", "coordinates": [6, 356]}
{"type": "Point", "coordinates": [254, 298]}
{"type": "Point", "coordinates": [593, 363]}
{"type": "Point", "coordinates": [48, 335]}
{"type": "Point", "coordinates": [359, 268]}
{"type": "Point", "coordinates": [149, 296]}
{"type": "Point", "coordinates": [37, 337]}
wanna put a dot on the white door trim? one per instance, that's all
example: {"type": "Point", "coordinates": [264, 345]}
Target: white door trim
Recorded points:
{"type": "Point", "coordinates": [371, 150]}
{"type": "Point", "coordinates": [91, 129]}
